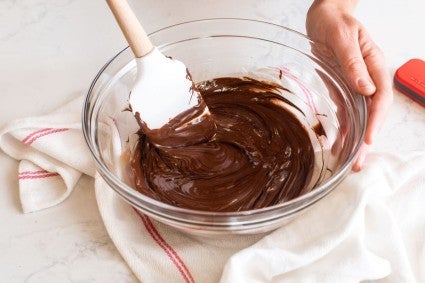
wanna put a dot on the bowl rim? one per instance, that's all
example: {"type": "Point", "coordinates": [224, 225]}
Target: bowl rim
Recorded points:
{"type": "Point", "coordinates": [319, 192]}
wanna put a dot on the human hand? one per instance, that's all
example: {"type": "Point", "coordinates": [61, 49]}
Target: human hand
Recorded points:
{"type": "Point", "coordinates": [361, 61]}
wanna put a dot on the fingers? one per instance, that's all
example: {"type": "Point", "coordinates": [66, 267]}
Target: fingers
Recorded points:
{"type": "Point", "coordinates": [366, 71]}
{"type": "Point", "coordinates": [358, 163]}
{"type": "Point", "coordinates": [378, 104]}
{"type": "Point", "coordinates": [383, 97]}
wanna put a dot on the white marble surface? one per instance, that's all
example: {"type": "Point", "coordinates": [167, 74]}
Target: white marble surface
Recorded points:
{"type": "Point", "coordinates": [49, 53]}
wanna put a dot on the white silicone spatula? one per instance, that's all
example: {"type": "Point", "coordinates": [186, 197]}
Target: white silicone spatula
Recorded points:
{"type": "Point", "coordinates": [162, 89]}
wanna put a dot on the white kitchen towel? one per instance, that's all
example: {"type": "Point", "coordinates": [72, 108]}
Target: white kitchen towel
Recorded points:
{"type": "Point", "coordinates": [372, 227]}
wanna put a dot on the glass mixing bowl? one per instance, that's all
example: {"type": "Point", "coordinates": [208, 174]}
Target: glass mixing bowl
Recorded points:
{"type": "Point", "coordinates": [334, 116]}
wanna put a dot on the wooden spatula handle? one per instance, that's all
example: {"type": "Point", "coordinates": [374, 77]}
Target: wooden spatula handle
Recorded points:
{"type": "Point", "coordinates": [130, 26]}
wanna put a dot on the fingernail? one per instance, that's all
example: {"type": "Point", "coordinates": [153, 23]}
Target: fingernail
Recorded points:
{"type": "Point", "coordinates": [356, 168]}
{"type": "Point", "coordinates": [360, 161]}
{"type": "Point", "coordinates": [358, 164]}
{"type": "Point", "coordinates": [365, 86]}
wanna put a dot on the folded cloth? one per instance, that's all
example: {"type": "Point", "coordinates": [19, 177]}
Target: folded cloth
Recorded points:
{"type": "Point", "coordinates": [53, 155]}
{"type": "Point", "coordinates": [372, 227]}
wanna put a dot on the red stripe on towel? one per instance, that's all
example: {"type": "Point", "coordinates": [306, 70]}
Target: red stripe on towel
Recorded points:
{"type": "Point", "coordinates": [29, 139]}
{"type": "Point", "coordinates": [171, 253]}
{"type": "Point", "coordinates": [35, 133]}
{"type": "Point", "coordinates": [36, 174]}
{"type": "Point", "coordinates": [33, 172]}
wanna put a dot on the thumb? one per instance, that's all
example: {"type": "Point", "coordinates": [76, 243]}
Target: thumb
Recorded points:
{"type": "Point", "coordinates": [353, 66]}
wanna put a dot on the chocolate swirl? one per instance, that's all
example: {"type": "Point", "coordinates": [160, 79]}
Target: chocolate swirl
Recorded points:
{"type": "Point", "coordinates": [259, 154]}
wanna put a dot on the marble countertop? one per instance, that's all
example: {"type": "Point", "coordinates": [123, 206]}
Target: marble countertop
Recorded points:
{"type": "Point", "coordinates": [50, 52]}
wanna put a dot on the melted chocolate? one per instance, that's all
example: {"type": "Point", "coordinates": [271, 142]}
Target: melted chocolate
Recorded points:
{"type": "Point", "coordinates": [257, 155]}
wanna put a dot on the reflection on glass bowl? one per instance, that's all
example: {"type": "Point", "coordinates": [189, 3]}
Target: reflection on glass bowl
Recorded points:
{"type": "Point", "coordinates": [333, 115]}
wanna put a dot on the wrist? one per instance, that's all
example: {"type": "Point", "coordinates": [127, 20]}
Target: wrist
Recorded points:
{"type": "Point", "coordinates": [346, 6]}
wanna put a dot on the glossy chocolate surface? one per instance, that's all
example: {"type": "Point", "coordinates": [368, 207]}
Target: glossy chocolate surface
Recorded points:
{"type": "Point", "coordinates": [257, 155]}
